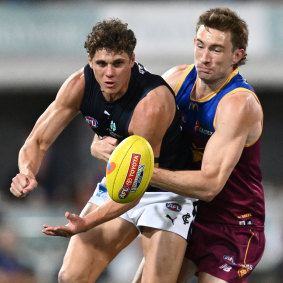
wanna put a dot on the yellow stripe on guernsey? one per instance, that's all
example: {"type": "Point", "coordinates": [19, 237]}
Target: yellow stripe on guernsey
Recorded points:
{"type": "Point", "coordinates": [183, 77]}
{"type": "Point", "coordinates": [209, 96]}
{"type": "Point", "coordinates": [199, 116]}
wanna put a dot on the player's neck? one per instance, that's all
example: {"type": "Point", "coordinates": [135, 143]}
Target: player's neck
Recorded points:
{"type": "Point", "coordinates": [112, 96]}
{"type": "Point", "coordinates": [204, 88]}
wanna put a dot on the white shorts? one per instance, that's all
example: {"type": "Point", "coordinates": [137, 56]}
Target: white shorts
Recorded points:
{"type": "Point", "coordinates": [161, 210]}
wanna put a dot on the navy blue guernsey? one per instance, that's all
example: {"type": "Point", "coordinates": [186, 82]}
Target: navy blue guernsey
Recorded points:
{"type": "Point", "coordinates": [112, 118]}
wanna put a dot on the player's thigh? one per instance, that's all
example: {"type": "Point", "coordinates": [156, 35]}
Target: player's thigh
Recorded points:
{"type": "Point", "coordinates": [95, 248]}
{"type": "Point", "coordinates": [204, 277]}
{"type": "Point", "coordinates": [162, 250]}
{"type": "Point", "coordinates": [187, 271]}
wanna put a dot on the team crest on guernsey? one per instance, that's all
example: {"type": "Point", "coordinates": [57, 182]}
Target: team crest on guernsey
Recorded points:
{"type": "Point", "coordinates": [92, 122]}
{"type": "Point", "coordinates": [133, 178]}
{"type": "Point", "coordinates": [243, 268]}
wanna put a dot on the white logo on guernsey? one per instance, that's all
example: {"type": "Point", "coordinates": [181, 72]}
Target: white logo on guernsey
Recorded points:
{"type": "Point", "coordinates": [225, 267]}
{"type": "Point", "coordinates": [142, 69]}
{"type": "Point", "coordinates": [198, 128]}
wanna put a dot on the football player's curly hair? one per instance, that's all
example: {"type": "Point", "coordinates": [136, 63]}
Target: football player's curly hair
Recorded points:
{"type": "Point", "coordinates": [112, 35]}
{"type": "Point", "coordinates": [224, 19]}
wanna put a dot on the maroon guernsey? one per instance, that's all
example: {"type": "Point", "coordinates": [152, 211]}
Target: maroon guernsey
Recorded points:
{"type": "Point", "coordinates": [241, 202]}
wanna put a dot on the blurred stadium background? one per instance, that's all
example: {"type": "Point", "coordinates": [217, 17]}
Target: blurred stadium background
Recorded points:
{"type": "Point", "coordinates": [41, 43]}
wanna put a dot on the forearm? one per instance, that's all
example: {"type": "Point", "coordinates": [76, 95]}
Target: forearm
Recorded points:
{"type": "Point", "coordinates": [30, 158]}
{"type": "Point", "coordinates": [192, 184]}
{"type": "Point", "coordinates": [106, 212]}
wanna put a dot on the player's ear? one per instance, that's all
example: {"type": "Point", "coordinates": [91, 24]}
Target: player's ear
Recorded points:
{"type": "Point", "coordinates": [238, 55]}
{"type": "Point", "coordinates": [89, 60]}
{"type": "Point", "coordinates": [133, 59]}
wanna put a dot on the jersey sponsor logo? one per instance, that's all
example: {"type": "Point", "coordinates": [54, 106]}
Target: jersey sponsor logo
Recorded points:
{"type": "Point", "coordinates": [91, 121]}
{"type": "Point", "coordinates": [199, 129]}
{"type": "Point", "coordinates": [225, 267]}
{"type": "Point", "coordinates": [174, 206]}
{"type": "Point", "coordinates": [110, 167]}
{"type": "Point", "coordinates": [113, 126]}
{"type": "Point", "coordinates": [193, 106]}
{"type": "Point", "coordinates": [247, 215]}
{"type": "Point", "coordinates": [197, 126]}
{"type": "Point", "coordinates": [134, 176]}
{"type": "Point", "coordinates": [114, 135]}
{"type": "Point", "coordinates": [172, 219]}
{"type": "Point", "coordinates": [247, 222]}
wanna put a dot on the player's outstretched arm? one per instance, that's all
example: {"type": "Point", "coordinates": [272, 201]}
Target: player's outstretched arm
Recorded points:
{"type": "Point", "coordinates": [157, 110]}
{"type": "Point", "coordinates": [76, 225]}
{"type": "Point", "coordinates": [47, 128]}
{"type": "Point", "coordinates": [107, 211]}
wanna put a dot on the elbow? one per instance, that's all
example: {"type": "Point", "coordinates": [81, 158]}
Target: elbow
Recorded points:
{"type": "Point", "coordinates": [208, 197]}
{"type": "Point", "coordinates": [211, 192]}
{"type": "Point", "coordinates": [92, 150]}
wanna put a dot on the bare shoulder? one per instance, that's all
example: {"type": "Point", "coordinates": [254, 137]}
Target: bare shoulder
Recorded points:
{"type": "Point", "coordinates": [240, 112]}
{"type": "Point", "coordinates": [242, 101]}
{"type": "Point", "coordinates": [71, 92]}
{"type": "Point", "coordinates": [160, 96]}
{"type": "Point", "coordinates": [153, 115]}
{"type": "Point", "coordinates": [159, 102]}
{"type": "Point", "coordinates": [173, 75]}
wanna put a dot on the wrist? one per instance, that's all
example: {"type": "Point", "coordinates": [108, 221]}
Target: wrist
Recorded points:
{"type": "Point", "coordinates": [88, 222]}
{"type": "Point", "coordinates": [28, 173]}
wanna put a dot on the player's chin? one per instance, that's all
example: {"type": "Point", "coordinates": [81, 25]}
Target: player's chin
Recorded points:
{"type": "Point", "coordinates": [205, 75]}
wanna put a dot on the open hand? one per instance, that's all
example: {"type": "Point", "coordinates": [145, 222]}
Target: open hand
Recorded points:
{"type": "Point", "coordinates": [76, 225]}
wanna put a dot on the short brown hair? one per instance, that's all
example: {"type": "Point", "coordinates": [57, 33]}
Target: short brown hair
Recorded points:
{"type": "Point", "coordinates": [113, 35]}
{"type": "Point", "coordinates": [224, 19]}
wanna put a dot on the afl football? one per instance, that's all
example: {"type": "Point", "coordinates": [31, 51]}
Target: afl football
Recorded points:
{"type": "Point", "coordinates": [129, 169]}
